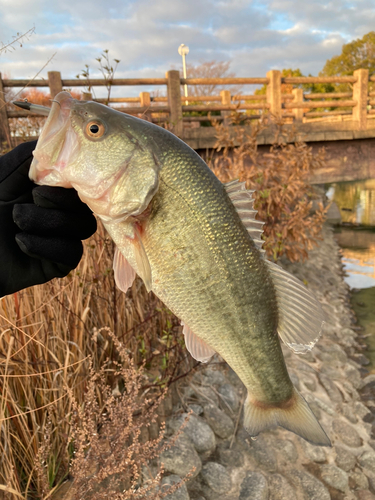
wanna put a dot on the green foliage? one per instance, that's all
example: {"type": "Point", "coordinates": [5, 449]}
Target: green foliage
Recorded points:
{"type": "Point", "coordinates": [357, 54]}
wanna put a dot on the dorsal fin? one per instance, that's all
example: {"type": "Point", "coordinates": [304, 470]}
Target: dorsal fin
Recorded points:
{"type": "Point", "coordinates": [243, 202]}
{"type": "Point", "coordinates": [300, 315]}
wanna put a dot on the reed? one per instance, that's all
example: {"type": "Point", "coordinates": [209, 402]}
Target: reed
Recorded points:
{"type": "Point", "coordinates": [54, 338]}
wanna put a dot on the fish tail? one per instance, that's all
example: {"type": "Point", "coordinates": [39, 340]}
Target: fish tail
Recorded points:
{"type": "Point", "coordinates": [294, 415]}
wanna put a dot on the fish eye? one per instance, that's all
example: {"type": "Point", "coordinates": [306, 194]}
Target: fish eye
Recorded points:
{"type": "Point", "coordinates": [95, 129]}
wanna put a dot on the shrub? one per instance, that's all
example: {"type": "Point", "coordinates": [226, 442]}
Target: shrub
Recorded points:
{"type": "Point", "coordinates": [280, 178]}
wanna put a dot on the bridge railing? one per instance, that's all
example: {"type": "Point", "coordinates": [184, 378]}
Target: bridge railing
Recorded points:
{"type": "Point", "coordinates": [184, 112]}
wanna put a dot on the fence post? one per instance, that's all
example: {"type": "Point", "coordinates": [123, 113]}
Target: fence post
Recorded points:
{"type": "Point", "coordinates": [298, 98]}
{"type": "Point", "coordinates": [146, 103]}
{"type": "Point", "coordinates": [5, 137]}
{"type": "Point", "coordinates": [55, 83]}
{"type": "Point", "coordinates": [174, 101]}
{"type": "Point", "coordinates": [274, 92]}
{"type": "Point", "coordinates": [226, 100]}
{"type": "Point", "coordinates": [360, 94]}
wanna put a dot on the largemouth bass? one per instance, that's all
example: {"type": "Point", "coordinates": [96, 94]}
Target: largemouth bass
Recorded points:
{"type": "Point", "coordinates": [196, 244]}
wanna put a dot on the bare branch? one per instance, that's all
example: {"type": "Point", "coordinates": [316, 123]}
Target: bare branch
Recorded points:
{"type": "Point", "coordinates": [17, 39]}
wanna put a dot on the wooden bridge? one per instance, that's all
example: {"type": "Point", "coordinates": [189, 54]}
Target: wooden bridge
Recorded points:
{"type": "Point", "coordinates": [342, 122]}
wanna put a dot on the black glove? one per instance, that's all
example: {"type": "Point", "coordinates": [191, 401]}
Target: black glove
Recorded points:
{"type": "Point", "coordinates": [41, 227]}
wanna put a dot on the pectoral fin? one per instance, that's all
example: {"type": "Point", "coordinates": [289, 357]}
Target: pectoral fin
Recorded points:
{"type": "Point", "coordinates": [124, 273]}
{"type": "Point", "coordinates": [141, 258]}
{"type": "Point", "coordinates": [131, 244]}
{"type": "Point", "coordinates": [196, 346]}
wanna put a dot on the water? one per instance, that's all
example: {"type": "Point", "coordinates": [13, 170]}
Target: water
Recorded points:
{"type": "Point", "coordinates": [356, 201]}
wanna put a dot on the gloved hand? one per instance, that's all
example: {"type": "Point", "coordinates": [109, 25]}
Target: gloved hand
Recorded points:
{"type": "Point", "coordinates": [41, 227]}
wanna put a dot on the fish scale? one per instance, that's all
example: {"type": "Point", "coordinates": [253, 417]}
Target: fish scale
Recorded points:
{"type": "Point", "coordinates": [195, 243]}
{"type": "Point", "coordinates": [227, 312]}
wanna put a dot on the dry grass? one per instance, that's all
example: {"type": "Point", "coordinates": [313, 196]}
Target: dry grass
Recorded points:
{"type": "Point", "coordinates": [52, 342]}
{"type": "Point", "coordinates": [280, 178]}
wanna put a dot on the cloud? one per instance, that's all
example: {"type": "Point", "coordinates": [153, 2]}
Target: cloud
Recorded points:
{"type": "Point", "coordinates": [255, 35]}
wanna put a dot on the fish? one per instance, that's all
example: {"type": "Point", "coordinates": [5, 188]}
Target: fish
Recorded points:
{"type": "Point", "coordinates": [196, 243]}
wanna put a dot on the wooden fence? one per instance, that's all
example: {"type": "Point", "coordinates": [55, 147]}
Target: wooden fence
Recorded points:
{"type": "Point", "coordinates": [178, 110]}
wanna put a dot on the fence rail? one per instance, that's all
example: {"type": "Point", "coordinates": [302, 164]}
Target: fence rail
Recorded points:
{"type": "Point", "coordinates": [298, 106]}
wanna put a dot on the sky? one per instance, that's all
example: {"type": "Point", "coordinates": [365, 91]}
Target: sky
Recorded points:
{"type": "Point", "coordinates": [255, 36]}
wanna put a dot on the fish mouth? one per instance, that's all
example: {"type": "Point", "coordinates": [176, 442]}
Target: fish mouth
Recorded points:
{"type": "Point", "coordinates": [55, 144]}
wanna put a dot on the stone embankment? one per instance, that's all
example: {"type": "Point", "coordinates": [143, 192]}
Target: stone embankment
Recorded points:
{"type": "Point", "coordinates": [279, 465]}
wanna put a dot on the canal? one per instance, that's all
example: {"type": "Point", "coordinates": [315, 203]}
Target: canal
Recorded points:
{"type": "Point", "coordinates": [356, 237]}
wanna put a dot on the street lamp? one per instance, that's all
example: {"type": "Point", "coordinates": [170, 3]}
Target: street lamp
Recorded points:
{"type": "Point", "coordinates": [183, 50]}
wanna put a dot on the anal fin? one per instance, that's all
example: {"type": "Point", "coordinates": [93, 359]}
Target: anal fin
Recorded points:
{"type": "Point", "coordinates": [196, 346]}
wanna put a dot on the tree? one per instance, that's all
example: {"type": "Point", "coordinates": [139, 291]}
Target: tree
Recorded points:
{"type": "Point", "coordinates": [357, 54]}
{"type": "Point", "coordinates": [210, 69]}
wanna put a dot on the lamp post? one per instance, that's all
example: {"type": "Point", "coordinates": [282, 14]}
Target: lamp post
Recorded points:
{"type": "Point", "coordinates": [183, 50]}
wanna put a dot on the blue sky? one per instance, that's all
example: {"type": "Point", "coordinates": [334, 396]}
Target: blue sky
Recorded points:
{"type": "Point", "coordinates": [255, 36]}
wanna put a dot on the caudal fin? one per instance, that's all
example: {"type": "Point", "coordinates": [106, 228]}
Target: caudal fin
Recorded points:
{"type": "Point", "coordinates": [295, 416]}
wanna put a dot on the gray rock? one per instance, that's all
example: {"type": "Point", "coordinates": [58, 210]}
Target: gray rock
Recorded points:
{"type": "Point", "coordinates": [367, 460]}
{"type": "Point", "coordinates": [361, 359]}
{"type": "Point", "coordinates": [365, 495]}
{"type": "Point", "coordinates": [353, 375]}
{"type": "Point", "coordinates": [180, 494]}
{"type": "Point", "coordinates": [197, 409]}
{"type": "Point", "coordinates": [263, 453]}
{"type": "Point", "coordinates": [199, 432]}
{"type": "Point", "coordinates": [312, 452]}
{"type": "Point", "coordinates": [295, 380]}
{"type": "Point", "coordinates": [181, 458]}
{"type": "Point", "coordinates": [368, 383]}
{"type": "Point", "coordinates": [208, 395]}
{"type": "Point", "coordinates": [318, 402]}
{"type": "Point", "coordinates": [287, 450]}
{"type": "Point", "coordinates": [309, 382]}
{"type": "Point", "coordinates": [337, 352]}
{"type": "Point", "coordinates": [348, 332]}
{"type": "Point", "coordinates": [335, 477]}
{"type": "Point", "coordinates": [201, 393]}
{"type": "Point", "coordinates": [358, 481]}
{"type": "Point", "coordinates": [331, 388]}
{"type": "Point", "coordinates": [212, 376]}
{"type": "Point", "coordinates": [362, 411]}
{"type": "Point", "coordinates": [229, 397]}
{"type": "Point", "coordinates": [216, 477]}
{"type": "Point", "coordinates": [348, 413]}
{"type": "Point", "coordinates": [344, 459]}
{"type": "Point", "coordinates": [346, 433]}
{"type": "Point", "coordinates": [220, 422]}
{"type": "Point", "coordinates": [280, 488]}
{"type": "Point", "coordinates": [230, 457]}
{"type": "Point", "coordinates": [254, 487]}
{"type": "Point", "coordinates": [311, 486]}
